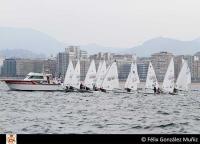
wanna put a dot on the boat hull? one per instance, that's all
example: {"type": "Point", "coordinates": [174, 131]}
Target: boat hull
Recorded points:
{"type": "Point", "coordinates": [21, 85]}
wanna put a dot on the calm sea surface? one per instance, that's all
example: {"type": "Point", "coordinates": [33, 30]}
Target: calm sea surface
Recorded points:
{"type": "Point", "coordinates": [59, 112]}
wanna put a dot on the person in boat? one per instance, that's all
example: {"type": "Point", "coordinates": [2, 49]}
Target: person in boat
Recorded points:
{"type": "Point", "coordinates": [175, 90]}
{"type": "Point", "coordinates": [95, 88]}
{"type": "Point", "coordinates": [103, 90]}
{"type": "Point", "coordinates": [71, 88]}
{"type": "Point", "coordinates": [48, 80]}
{"type": "Point", "coordinates": [158, 91]}
{"type": "Point", "coordinates": [87, 88]}
{"type": "Point", "coordinates": [154, 90]}
{"type": "Point", "coordinates": [81, 86]}
{"type": "Point", "coordinates": [128, 89]}
{"type": "Point", "coordinates": [67, 87]}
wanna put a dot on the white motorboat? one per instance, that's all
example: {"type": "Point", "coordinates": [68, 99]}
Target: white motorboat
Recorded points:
{"type": "Point", "coordinates": [34, 82]}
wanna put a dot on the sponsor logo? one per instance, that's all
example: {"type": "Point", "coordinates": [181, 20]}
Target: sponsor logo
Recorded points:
{"type": "Point", "coordinates": [11, 139]}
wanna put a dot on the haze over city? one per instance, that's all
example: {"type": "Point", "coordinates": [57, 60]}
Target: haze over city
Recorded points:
{"type": "Point", "coordinates": [109, 23]}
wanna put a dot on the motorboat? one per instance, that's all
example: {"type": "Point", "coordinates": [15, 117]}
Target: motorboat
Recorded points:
{"type": "Point", "coordinates": [35, 82]}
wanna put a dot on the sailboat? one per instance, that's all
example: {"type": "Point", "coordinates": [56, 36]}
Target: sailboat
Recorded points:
{"type": "Point", "coordinates": [68, 77]}
{"type": "Point", "coordinates": [111, 80]}
{"type": "Point", "coordinates": [168, 83]}
{"type": "Point", "coordinates": [75, 81]}
{"type": "Point", "coordinates": [90, 76]}
{"type": "Point", "coordinates": [100, 74]}
{"type": "Point", "coordinates": [184, 78]}
{"type": "Point", "coordinates": [132, 81]}
{"type": "Point", "coordinates": [151, 80]}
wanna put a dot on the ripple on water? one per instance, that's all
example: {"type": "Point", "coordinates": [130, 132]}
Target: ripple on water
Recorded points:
{"type": "Point", "coordinates": [57, 112]}
{"type": "Point", "coordinates": [166, 125]}
{"type": "Point", "coordinates": [163, 113]}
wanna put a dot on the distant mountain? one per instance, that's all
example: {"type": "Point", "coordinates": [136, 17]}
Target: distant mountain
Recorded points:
{"type": "Point", "coordinates": [28, 39]}
{"type": "Point", "coordinates": [177, 47]}
{"type": "Point", "coordinates": [25, 42]}
{"type": "Point", "coordinates": [20, 53]}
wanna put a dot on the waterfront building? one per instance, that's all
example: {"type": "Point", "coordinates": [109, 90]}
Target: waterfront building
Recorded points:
{"type": "Point", "coordinates": [196, 70]}
{"type": "Point", "coordinates": [62, 60]}
{"type": "Point", "coordinates": [142, 66]}
{"type": "Point", "coordinates": [50, 66]}
{"type": "Point", "coordinates": [177, 65]}
{"type": "Point", "coordinates": [123, 64]}
{"type": "Point", "coordinates": [160, 62]}
{"type": "Point", "coordinates": [197, 55]}
{"type": "Point", "coordinates": [83, 55]}
{"type": "Point", "coordinates": [73, 52]}
{"type": "Point", "coordinates": [21, 67]}
{"type": "Point", "coordinates": [24, 66]}
{"type": "Point", "coordinates": [9, 68]}
{"type": "Point", "coordinates": [84, 66]}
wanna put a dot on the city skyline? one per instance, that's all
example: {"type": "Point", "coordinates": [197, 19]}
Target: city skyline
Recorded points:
{"type": "Point", "coordinates": [58, 65]}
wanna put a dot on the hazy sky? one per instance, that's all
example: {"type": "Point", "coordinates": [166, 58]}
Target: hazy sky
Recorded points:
{"type": "Point", "coordinates": [117, 23]}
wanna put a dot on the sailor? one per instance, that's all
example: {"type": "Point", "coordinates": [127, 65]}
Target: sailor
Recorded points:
{"type": "Point", "coordinates": [81, 86]}
{"type": "Point", "coordinates": [128, 89]}
{"type": "Point", "coordinates": [154, 89]}
{"type": "Point", "coordinates": [71, 88]}
{"type": "Point", "coordinates": [95, 88]}
{"type": "Point", "coordinates": [103, 90]}
{"type": "Point", "coordinates": [87, 88]}
{"type": "Point", "coordinates": [158, 91]}
{"type": "Point", "coordinates": [48, 80]}
{"type": "Point", "coordinates": [175, 90]}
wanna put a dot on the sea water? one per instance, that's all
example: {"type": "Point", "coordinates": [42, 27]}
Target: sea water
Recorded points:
{"type": "Point", "coordinates": [99, 113]}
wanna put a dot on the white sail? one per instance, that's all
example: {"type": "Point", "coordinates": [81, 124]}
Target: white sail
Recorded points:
{"type": "Point", "coordinates": [98, 71]}
{"type": "Point", "coordinates": [68, 75]}
{"type": "Point", "coordinates": [91, 75]}
{"type": "Point", "coordinates": [168, 83]}
{"type": "Point", "coordinates": [76, 76]}
{"type": "Point", "coordinates": [133, 78]}
{"type": "Point", "coordinates": [184, 78]}
{"type": "Point", "coordinates": [111, 80]}
{"type": "Point", "coordinates": [151, 80]}
{"type": "Point", "coordinates": [188, 73]}
{"type": "Point", "coordinates": [99, 67]}
{"type": "Point", "coordinates": [101, 74]}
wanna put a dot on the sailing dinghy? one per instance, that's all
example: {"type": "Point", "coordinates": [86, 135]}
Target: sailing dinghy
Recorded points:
{"type": "Point", "coordinates": [100, 74]}
{"type": "Point", "coordinates": [68, 78]}
{"type": "Point", "coordinates": [90, 77]}
{"type": "Point", "coordinates": [111, 80]}
{"type": "Point", "coordinates": [168, 83]}
{"type": "Point", "coordinates": [75, 80]}
{"type": "Point", "coordinates": [184, 78]}
{"type": "Point", "coordinates": [132, 81]}
{"type": "Point", "coordinates": [151, 80]}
